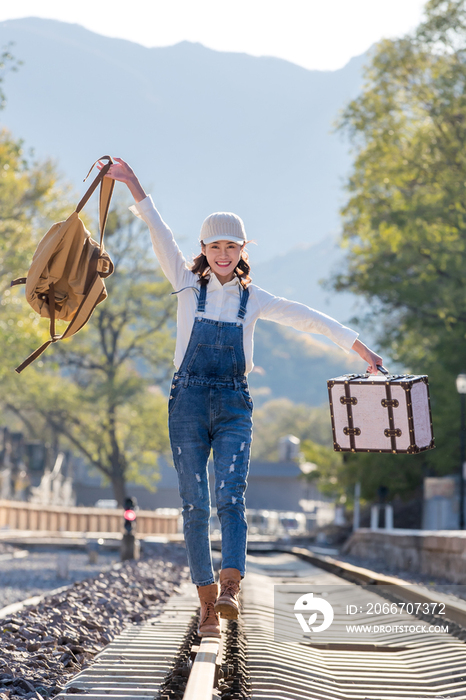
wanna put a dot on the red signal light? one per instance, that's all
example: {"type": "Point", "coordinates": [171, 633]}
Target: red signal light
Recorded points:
{"type": "Point", "coordinates": [129, 515]}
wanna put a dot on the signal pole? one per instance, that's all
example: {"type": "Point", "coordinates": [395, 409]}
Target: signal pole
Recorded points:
{"type": "Point", "coordinates": [130, 548]}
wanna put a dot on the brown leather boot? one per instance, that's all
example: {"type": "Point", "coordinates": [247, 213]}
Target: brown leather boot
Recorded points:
{"type": "Point", "coordinates": [209, 624]}
{"type": "Point", "coordinates": [227, 603]}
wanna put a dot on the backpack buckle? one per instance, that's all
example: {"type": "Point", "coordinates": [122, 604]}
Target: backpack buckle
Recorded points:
{"type": "Point", "coordinates": [103, 265]}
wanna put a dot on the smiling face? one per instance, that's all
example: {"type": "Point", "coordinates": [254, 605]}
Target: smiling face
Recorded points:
{"type": "Point", "coordinates": [223, 257]}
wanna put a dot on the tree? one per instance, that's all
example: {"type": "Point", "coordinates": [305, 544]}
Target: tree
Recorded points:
{"type": "Point", "coordinates": [405, 221]}
{"type": "Point", "coordinates": [99, 390]}
{"type": "Point", "coordinates": [7, 63]}
{"type": "Point", "coordinates": [281, 417]}
{"type": "Point", "coordinates": [329, 468]}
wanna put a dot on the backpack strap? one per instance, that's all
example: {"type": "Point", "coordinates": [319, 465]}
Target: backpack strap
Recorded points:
{"type": "Point", "coordinates": [106, 191]}
{"type": "Point", "coordinates": [20, 280]}
{"type": "Point", "coordinates": [94, 286]}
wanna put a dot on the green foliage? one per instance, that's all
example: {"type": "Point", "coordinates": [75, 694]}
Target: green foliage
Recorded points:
{"type": "Point", "coordinates": [405, 222]}
{"type": "Point", "coordinates": [330, 469]}
{"type": "Point", "coordinates": [337, 472]}
{"type": "Point", "coordinates": [7, 63]}
{"type": "Point", "coordinates": [281, 417]}
{"type": "Point", "coordinates": [401, 474]}
{"type": "Point", "coordinates": [121, 439]}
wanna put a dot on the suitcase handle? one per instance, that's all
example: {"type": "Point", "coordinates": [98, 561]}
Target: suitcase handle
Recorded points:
{"type": "Point", "coordinates": [380, 368]}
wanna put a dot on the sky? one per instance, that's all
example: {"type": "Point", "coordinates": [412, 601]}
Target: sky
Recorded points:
{"type": "Point", "coordinates": [315, 34]}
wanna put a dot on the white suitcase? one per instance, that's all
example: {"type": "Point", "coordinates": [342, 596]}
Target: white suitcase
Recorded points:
{"type": "Point", "coordinates": [374, 413]}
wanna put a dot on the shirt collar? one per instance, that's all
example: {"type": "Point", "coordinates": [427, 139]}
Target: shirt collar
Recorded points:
{"type": "Point", "coordinates": [214, 282]}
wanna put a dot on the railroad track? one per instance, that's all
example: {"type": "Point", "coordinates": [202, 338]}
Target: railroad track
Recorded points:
{"type": "Point", "coordinates": [268, 656]}
{"type": "Point", "coordinates": [335, 664]}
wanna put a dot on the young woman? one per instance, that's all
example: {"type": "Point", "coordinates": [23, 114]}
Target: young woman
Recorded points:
{"type": "Point", "coordinates": [209, 406]}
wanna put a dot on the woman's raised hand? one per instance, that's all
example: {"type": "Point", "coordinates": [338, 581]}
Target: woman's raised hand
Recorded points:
{"type": "Point", "coordinates": [121, 171]}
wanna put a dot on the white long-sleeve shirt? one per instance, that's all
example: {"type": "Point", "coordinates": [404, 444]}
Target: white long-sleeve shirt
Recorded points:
{"type": "Point", "coordinates": [222, 301]}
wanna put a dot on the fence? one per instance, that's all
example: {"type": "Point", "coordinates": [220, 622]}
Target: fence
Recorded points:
{"type": "Point", "coordinates": [16, 515]}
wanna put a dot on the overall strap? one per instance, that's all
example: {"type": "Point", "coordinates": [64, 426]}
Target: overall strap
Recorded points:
{"type": "Point", "coordinates": [244, 296]}
{"type": "Point", "coordinates": [202, 299]}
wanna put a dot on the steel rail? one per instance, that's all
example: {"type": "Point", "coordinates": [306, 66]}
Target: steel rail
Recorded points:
{"type": "Point", "coordinates": [202, 677]}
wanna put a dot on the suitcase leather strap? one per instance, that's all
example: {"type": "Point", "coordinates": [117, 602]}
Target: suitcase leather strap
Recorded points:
{"type": "Point", "coordinates": [351, 431]}
{"type": "Point", "coordinates": [392, 432]}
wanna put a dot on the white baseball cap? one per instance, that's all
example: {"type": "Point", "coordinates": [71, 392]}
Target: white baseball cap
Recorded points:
{"type": "Point", "coordinates": [223, 226]}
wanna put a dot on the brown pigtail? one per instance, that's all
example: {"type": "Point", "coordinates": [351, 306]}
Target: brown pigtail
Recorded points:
{"type": "Point", "coordinates": [243, 269]}
{"type": "Point", "coordinates": [200, 267]}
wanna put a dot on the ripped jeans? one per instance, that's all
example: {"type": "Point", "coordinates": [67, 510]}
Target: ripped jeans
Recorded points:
{"type": "Point", "coordinates": [204, 414]}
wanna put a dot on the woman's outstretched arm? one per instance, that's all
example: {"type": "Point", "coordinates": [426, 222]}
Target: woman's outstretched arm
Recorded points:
{"type": "Point", "coordinates": [303, 318]}
{"type": "Point", "coordinates": [165, 247]}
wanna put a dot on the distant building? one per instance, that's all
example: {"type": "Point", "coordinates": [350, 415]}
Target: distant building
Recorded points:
{"type": "Point", "coordinates": [88, 489]}
{"type": "Point", "coordinates": [441, 503]}
{"type": "Point", "coordinates": [277, 486]}
{"type": "Point", "coordinates": [271, 486]}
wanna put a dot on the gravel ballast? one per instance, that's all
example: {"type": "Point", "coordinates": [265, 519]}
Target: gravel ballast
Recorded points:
{"type": "Point", "coordinates": [6, 548]}
{"type": "Point", "coordinates": [40, 572]}
{"type": "Point", "coordinates": [43, 646]}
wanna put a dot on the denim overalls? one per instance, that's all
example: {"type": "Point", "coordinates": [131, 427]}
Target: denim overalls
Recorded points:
{"type": "Point", "coordinates": [210, 408]}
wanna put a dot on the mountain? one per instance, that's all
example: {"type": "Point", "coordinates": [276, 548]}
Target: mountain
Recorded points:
{"type": "Point", "coordinates": [294, 365]}
{"type": "Point", "coordinates": [298, 274]}
{"type": "Point", "coordinates": [205, 130]}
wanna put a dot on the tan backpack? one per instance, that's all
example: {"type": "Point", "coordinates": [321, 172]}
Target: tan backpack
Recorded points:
{"type": "Point", "coordinates": [65, 280]}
